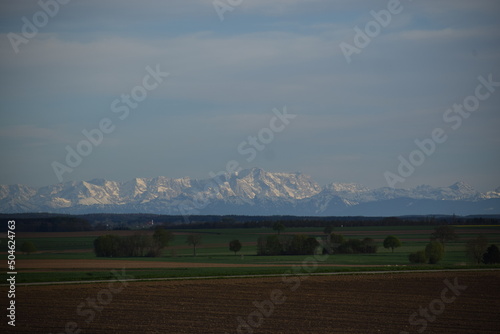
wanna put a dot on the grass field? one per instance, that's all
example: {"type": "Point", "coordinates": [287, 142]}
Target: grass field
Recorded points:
{"type": "Point", "coordinates": [178, 260]}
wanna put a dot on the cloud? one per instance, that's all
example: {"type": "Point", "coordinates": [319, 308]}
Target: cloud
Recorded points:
{"type": "Point", "coordinates": [203, 66]}
{"type": "Point", "coordinates": [227, 76]}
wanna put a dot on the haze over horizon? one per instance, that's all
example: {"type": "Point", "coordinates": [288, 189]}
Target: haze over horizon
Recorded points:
{"type": "Point", "coordinates": [211, 175]}
{"type": "Point", "coordinates": [170, 89]}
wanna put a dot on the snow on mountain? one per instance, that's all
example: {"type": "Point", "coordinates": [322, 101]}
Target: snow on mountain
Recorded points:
{"type": "Point", "coordinates": [255, 182]}
{"type": "Point", "coordinates": [16, 198]}
{"type": "Point", "coordinates": [251, 191]}
{"type": "Point", "coordinates": [356, 193]}
{"type": "Point", "coordinates": [491, 194]}
{"type": "Point", "coordinates": [16, 190]}
{"type": "Point", "coordinates": [352, 193]}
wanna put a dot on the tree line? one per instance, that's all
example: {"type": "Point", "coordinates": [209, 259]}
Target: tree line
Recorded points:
{"type": "Point", "coordinates": [137, 245]}
{"type": "Point", "coordinates": [338, 244]}
{"type": "Point", "coordinates": [477, 249]}
{"type": "Point", "coordinates": [297, 244]}
{"type": "Point", "coordinates": [51, 224]}
{"type": "Point", "coordinates": [45, 222]}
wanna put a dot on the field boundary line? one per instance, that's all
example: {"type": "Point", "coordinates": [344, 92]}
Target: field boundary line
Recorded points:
{"type": "Point", "coordinates": [374, 272]}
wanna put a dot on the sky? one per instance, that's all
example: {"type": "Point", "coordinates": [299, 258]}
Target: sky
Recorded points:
{"type": "Point", "coordinates": [339, 90]}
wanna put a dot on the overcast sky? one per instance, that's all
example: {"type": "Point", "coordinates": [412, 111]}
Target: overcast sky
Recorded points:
{"type": "Point", "coordinates": [353, 118]}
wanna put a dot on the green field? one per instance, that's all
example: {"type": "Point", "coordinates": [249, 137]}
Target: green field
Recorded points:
{"type": "Point", "coordinates": [214, 250]}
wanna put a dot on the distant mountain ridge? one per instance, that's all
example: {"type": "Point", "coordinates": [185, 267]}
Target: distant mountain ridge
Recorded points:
{"type": "Point", "coordinates": [248, 192]}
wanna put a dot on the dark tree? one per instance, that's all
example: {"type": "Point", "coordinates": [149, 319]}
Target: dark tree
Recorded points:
{"type": "Point", "coordinates": [327, 244]}
{"type": "Point", "coordinates": [194, 240]}
{"type": "Point", "coordinates": [368, 245]}
{"type": "Point", "coordinates": [278, 227]}
{"type": "Point", "coordinates": [262, 246]}
{"type": "Point", "coordinates": [392, 242]}
{"type": "Point", "coordinates": [107, 246]}
{"type": "Point", "coordinates": [274, 245]}
{"type": "Point", "coordinates": [297, 244]}
{"type": "Point", "coordinates": [235, 246]}
{"type": "Point", "coordinates": [163, 237]}
{"type": "Point", "coordinates": [127, 246]}
{"type": "Point", "coordinates": [444, 234]}
{"type": "Point", "coordinates": [475, 248]}
{"type": "Point", "coordinates": [301, 244]}
{"type": "Point", "coordinates": [328, 229]}
{"type": "Point", "coordinates": [492, 255]}
{"type": "Point", "coordinates": [138, 245]}
{"type": "Point", "coordinates": [311, 246]}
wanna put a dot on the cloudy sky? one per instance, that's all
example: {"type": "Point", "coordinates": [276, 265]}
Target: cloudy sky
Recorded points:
{"type": "Point", "coordinates": [357, 111]}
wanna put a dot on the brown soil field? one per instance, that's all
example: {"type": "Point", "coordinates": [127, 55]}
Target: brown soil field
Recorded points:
{"type": "Point", "coordinates": [372, 303]}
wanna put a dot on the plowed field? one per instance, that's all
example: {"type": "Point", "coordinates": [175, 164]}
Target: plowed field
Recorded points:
{"type": "Point", "coordinates": [448, 302]}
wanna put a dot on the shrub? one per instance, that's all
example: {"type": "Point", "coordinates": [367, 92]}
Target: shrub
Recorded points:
{"type": "Point", "coordinates": [368, 246]}
{"type": "Point", "coordinates": [492, 255]}
{"type": "Point", "coordinates": [28, 247]}
{"type": "Point", "coordinates": [337, 239]}
{"type": "Point", "coordinates": [107, 246]}
{"type": "Point", "coordinates": [131, 246]}
{"type": "Point", "coordinates": [418, 257]}
{"type": "Point", "coordinates": [154, 252]}
{"type": "Point", "coordinates": [286, 245]}
{"type": "Point", "coordinates": [356, 246]}
{"type": "Point", "coordinates": [345, 248]}
{"type": "Point", "coordinates": [434, 252]}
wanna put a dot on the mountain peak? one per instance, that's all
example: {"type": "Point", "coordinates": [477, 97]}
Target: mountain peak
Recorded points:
{"type": "Point", "coordinates": [462, 187]}
{"type": "Point", "coordinates": [250, 191]}
{"type": "Point", "coordinates": [98, 182]}
{"type": "Point", "coordinates": [254, 171]}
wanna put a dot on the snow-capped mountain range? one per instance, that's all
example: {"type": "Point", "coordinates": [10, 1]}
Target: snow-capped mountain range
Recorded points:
{"type": "Point", "coordinates": [248, 192]}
